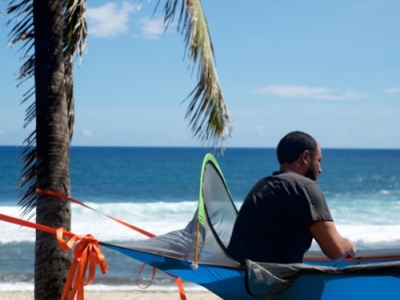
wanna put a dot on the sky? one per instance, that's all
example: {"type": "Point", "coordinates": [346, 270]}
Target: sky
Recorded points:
{"type": "Point", "coordinates": [329, 68]}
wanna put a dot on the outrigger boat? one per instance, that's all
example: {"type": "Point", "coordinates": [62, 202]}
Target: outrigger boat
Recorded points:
{"type": "Point", "coordinates": [198, 253]}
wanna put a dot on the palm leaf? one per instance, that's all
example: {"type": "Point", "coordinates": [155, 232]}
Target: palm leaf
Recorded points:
{"type": "Point", "coordinates": [75, 44]}
{"type": "Point", "coordinates": [75, 34]}
{"type": "Point", "coordinates": [207, 112]}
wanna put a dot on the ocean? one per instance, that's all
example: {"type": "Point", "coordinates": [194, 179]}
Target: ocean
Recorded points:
{"type": "Point", "coordinates": [157, 189]}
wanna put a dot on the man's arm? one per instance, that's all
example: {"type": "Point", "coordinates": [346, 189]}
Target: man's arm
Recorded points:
{"type": "Point", "coordinates": [331, 242]}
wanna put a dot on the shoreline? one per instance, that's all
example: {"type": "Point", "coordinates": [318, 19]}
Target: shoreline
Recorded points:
{"type": "Point", "coordinates": [121, 295]}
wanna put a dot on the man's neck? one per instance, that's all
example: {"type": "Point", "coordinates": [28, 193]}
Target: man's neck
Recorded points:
{"type": "Point", "coordinates": [292, 167]}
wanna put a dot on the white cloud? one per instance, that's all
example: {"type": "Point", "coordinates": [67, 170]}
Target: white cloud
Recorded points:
{"type": "Point", "coordinates": [294, 91]}
{"type": "Point", "coordinates": [151, 28]}
{"type": "Point", "coordinates": [109, 20]}
{"type": "Point", "coordinates": [392, 90]}
{"type": "Point", "coordinates": [87, 133]}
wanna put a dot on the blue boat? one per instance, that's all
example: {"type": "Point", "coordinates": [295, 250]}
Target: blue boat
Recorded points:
{"type": "Point", "coordinates": [198, 254]}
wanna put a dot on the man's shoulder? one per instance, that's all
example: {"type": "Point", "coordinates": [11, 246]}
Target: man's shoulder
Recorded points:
{"type": "Point", "coordinates": [292, 177]}
{"type": "Point", "coordinates": [285, 179]}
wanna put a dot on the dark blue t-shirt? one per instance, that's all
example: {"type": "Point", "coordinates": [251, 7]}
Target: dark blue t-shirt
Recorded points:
{"type": "Point", "coordinates": [274, 220]}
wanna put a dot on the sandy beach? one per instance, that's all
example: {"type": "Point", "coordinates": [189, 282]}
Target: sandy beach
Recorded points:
{"type": "Point", "coordinates": [121, 295]}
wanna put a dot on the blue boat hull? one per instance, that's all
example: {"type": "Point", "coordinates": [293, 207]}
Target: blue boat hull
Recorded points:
{"type": "Point", "coordinates": [229, 283]}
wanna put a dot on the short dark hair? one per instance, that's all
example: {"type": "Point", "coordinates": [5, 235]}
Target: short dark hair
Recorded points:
{"type": "Point", "coordinates": [293, 144]}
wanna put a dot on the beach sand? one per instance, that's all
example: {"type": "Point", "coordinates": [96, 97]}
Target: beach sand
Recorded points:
{"type": "Point", "coordinates": [122, 295]}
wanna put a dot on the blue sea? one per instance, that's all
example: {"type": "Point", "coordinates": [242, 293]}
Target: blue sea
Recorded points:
{"type": "Point", "coordinates": [157, 189]}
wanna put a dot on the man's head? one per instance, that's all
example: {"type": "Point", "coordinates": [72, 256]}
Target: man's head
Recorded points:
{"type": "Point", "coordinates": [299, 152]}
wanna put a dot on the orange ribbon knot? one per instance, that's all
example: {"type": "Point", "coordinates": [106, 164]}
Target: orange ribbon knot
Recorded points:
{"type": "Point", "coordinates": [87, 253]}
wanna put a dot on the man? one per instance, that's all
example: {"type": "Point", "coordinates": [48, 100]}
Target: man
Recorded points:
{"type": "Point", "coordinates": [284, 212]}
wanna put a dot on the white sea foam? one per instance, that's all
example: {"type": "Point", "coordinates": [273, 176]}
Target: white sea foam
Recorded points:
{"type": "Point", "coordinates": [367, 226]}
{"type": "Point", "coordinates": [12, 232]}
{"type": "Point", "coordinates": [16, 286]}
{"type": "Point", "coordinates": [370, 236]}
{"type": "Point", "coordinates": [156, 218]}
{"type": "Point", "coordinates": [23, 286]}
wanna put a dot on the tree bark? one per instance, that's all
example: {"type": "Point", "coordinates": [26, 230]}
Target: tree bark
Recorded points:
{"type": "Point", "coordinates": [52, 142]}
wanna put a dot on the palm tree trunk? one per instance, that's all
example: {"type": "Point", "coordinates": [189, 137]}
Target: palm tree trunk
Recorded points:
{"type": "Point", "coordinates": [52, 143]}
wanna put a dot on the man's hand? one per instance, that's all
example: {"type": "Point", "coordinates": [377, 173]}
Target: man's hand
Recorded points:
{"type": "Point", "coordinates": [352, 252]}
{"type": "Point", "coordinates": [331, 242]}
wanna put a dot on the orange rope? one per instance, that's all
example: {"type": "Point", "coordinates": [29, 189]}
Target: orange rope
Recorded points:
{"type": "Point", "coordinates": [180, 288]}
{"type": "Point", "coordinates": [21, 222]}
{"type": "Point", "coordinates": [144, 232]}
{"type": "Point", "coordinates": [62, 196]}
{"type": "Point", "coordinates": [153, 273]}
{"type": "Point", "coordinates": [87, 253]}
{"type": "Point", "coordinates": [177, 280]}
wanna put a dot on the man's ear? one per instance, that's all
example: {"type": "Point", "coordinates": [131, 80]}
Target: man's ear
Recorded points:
{"type": "Point", "coordinates": [305, 157]}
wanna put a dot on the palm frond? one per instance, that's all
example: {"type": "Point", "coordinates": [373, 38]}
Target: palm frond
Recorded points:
{"type": "Point", "coordinates": [207, 112]}
{"type": "Point", "coordinates": [28, 175]}
{"type": "Point", "coordinates": [75, 35]}
{"type": "Point", "coordinates": [23, 31]}
{"type": "Point", "coordinates": [75, 44]}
